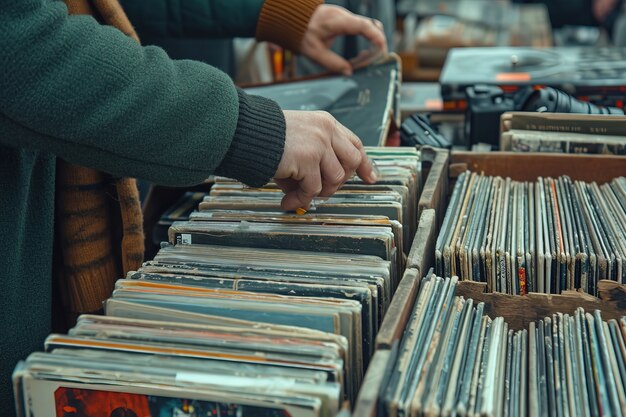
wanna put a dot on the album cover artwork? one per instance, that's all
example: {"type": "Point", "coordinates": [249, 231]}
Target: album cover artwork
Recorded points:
{"type": "Point", "coordinates": [78, 402]}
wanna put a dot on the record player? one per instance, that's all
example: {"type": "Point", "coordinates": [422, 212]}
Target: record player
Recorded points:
{"type": "Point", "coordinates": [597, 75]}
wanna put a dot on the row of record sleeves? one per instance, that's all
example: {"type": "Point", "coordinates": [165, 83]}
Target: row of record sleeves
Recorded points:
{"type": "Point", "coordinates": [548, 236]}
{"type": "Point", "coordinates": [454, 359]}
{"type": "Point", "coordinates": [246, 311]}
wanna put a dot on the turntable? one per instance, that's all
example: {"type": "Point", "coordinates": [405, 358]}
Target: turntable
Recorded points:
{"type": "Point", "coordinates": [593, 74]}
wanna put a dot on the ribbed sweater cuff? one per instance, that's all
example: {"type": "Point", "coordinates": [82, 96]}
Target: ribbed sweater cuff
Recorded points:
{"type": "Point", "coordinates": [258, 144]}
{"type": "Point", "coordinates": [284, 21]}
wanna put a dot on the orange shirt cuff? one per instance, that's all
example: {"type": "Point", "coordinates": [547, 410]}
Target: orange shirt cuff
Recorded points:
{"type": "Point", "coordinates": [284, 22]}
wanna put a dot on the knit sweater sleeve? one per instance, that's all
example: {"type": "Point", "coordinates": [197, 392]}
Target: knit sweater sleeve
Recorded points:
{"type": "Point", "coordinates": [280, 21]}
{"type": "Point", "coordinates": [284, 23]}
{"type": "Point", "coordinates": [87, 93]}
{"type": "Point", "coordinates": [194, 18]}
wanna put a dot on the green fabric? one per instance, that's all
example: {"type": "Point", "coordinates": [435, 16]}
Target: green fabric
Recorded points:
{"type": "Point", "coordinates": [75, 89]}
{"type": "Point", "coordinates": [26, 227]}
{"type": "Point", "coordinates": [194, 18]}
{"type": "Point", "coordinates": [91, 95]}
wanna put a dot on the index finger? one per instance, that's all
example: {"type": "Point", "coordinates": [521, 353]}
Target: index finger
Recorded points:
{"type": "Point", "coordinates": [365, 170]}
{"type": "Point", "coordinates": [372, 30]}
{"type": "Point", "coordinates": [364, 26]}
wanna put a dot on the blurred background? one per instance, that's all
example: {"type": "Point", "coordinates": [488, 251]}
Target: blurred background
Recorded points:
{"type": "Point", "coordinates": [423, 30]}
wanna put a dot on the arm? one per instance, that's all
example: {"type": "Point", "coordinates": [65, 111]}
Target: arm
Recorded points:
{"type": "Point", "coordinates": [89, 94]}
{"type": "Point", "coordinates": [194, 18]}
{"type": "Point", "coordinates": [303, 26]}
{"type": "Point", "coordinates": [281, 21]}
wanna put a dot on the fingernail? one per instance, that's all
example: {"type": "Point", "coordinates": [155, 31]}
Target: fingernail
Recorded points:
{"type": "Point", "coordinates": [300, 211]}
{"type": "Point", "coordinates": [347, 72]}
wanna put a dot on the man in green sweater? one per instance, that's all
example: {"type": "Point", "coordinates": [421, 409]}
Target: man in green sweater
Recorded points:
{"type": "Point", "coordinates": [84, 92]}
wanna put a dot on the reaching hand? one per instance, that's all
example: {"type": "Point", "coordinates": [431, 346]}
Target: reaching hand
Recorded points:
{"type": "Point", "coordinates": [326, 24]}
{"type": "Point", "coordinates": [320, 155]}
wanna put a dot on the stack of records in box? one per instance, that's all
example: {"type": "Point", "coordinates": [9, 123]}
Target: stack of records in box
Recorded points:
{"type": "Point", "coordinates": [548, 236]}
{"type": "Point", "coordinates": [456, 360]}
{"type": "Point", "coordinates": [246, 311]}
{"type": "Point", "coordinates": [563, 133]}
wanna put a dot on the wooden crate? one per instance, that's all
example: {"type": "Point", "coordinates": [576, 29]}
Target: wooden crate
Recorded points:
{"type": "Point", "coordinates": [401, 305]}
{"type": "Point", "coordinates": [517, 166]}
{"type": "Point", "coordinates": [395, 320]}
{"type": "Point", "coordinates": [367, 403]}
{"type": "Point", "coordinates": [518, 311]}
{"type": "Point", "coordinates": [520, 167]}
{"type": "Point", "coordinates": [529, 166]}
{"type": "Point", "coordinates": [435, 163]}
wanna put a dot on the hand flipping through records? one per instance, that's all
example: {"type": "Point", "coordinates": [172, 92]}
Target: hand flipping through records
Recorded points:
{"type": "Point", "coordinates": [327, 23]}
{"type": "Point", "coordinates": [320, 155]}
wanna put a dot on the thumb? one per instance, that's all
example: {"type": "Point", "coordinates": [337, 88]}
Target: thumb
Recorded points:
{"type": "Point", "coordinates": [333, 62]}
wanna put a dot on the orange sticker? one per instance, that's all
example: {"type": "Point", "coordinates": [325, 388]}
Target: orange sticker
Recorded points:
{"type": "Point", "coordinates": [434, 104]}
{"type": "Point", "coordinates": [513, 76]}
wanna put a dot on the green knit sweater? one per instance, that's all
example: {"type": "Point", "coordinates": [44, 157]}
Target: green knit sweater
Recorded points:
{"type": "Point", "coordinates": [72, 88]}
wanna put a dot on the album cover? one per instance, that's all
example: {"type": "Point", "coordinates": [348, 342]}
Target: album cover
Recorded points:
{"type": "Point", "coordinates": [107, 400]}
{"type": "Point", "coordinates": [365, 102]}
{"type": "Point", "coordinates": [557, 142]}
{"type": "Point", "coordinates": [377, 241]}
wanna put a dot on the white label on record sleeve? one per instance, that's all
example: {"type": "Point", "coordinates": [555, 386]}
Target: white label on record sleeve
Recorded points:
{"type": "Point", "coordinates": [185, 239]}
{"type": "Point", "coordinates": [233, 381]}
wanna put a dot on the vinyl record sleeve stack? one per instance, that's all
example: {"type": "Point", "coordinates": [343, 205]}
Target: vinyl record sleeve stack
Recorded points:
{"type": "Point", "coordinates": [456, 360]}
{"type": "Point", "coordinates": [546, 236]}
{"type": "Point", "coordinates": [246, 311]}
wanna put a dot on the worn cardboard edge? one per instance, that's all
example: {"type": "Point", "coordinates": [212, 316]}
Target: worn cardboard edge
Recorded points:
{"type": "Point", "coordinates": [435, 190]}
{"type": "Point", "coordinates": [368, 398]}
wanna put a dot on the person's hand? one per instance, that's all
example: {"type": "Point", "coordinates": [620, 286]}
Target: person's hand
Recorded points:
{"type": "Point", "coordinates": [320, 155]}
{"type": "Point", "coordinates": [326, 24]}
